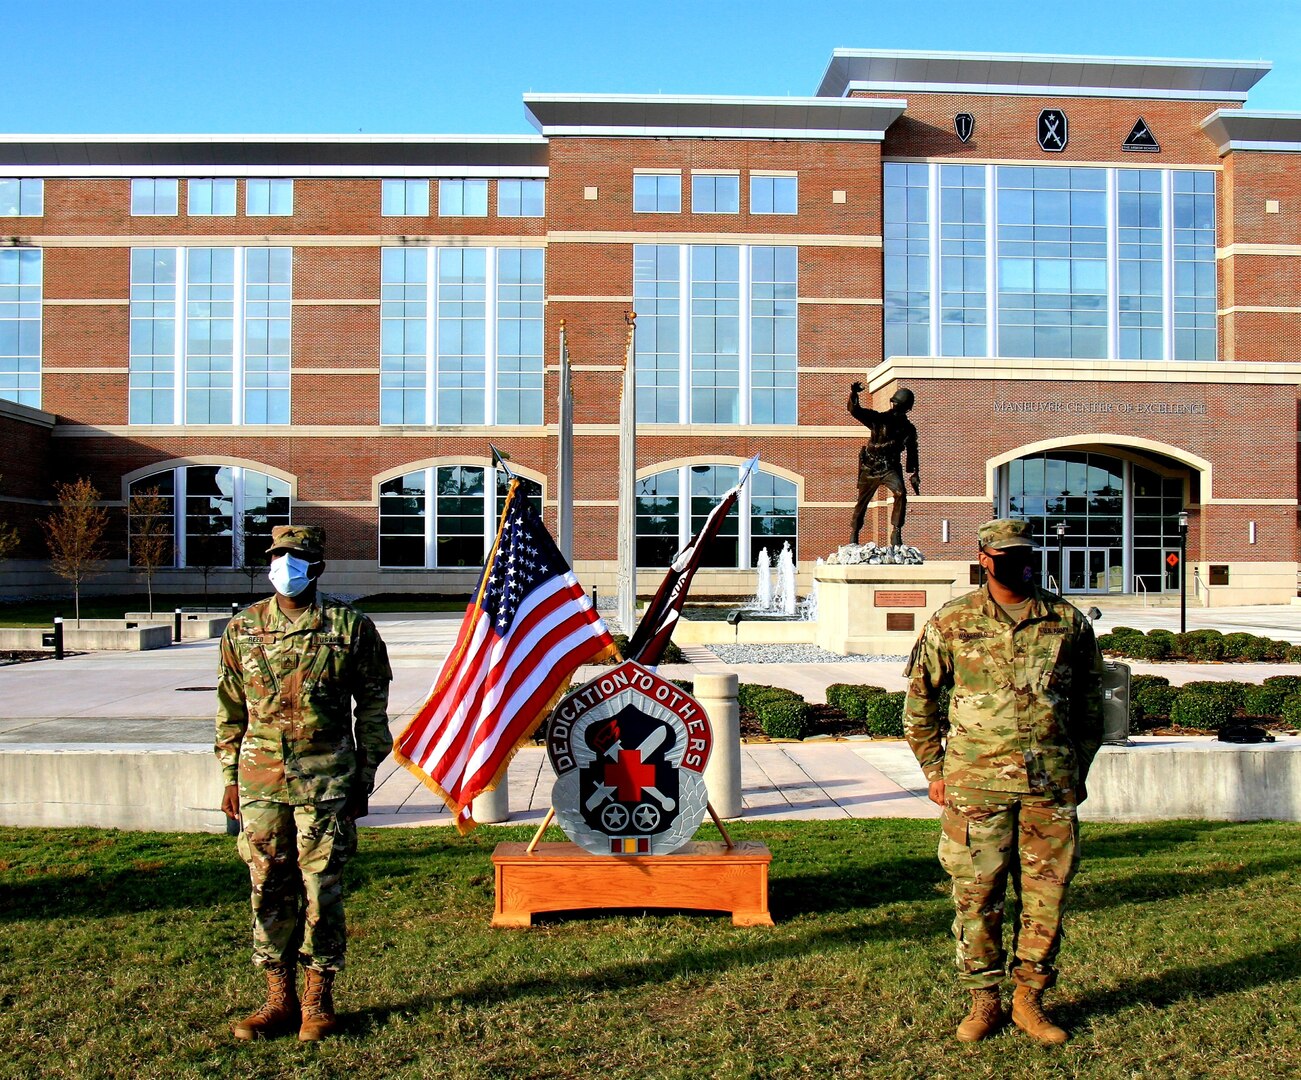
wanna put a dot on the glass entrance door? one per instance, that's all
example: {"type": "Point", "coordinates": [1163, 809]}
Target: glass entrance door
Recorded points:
{"type": "Point", "coordinates": [1093, 570]}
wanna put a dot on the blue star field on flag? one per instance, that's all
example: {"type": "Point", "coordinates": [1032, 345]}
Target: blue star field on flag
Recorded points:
{"type": "Point", "coordinates": [526, 556]}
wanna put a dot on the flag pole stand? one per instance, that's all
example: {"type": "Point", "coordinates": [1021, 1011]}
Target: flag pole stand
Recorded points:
{"type": "Point", "coordinates": [537, 836]}
{"type": "Point", "coordinates": [718, 823]}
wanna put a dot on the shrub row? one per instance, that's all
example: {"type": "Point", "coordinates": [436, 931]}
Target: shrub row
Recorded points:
{"type": "Point", "coordinates": [1203, 645]}
{"type": "Point", "coordinates": [782, 713]}
{"type": "Point", "coordinates": [1209, 705]}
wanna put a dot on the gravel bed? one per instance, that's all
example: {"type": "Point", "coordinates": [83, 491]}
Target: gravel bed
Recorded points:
{"type": "Point", "coordinates": [792, 654]}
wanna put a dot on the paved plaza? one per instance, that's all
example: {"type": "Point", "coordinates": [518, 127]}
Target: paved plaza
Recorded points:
{"type": "Point", "coordinates": [165, 699]}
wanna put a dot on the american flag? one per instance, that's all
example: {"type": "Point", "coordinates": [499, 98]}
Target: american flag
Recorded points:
{"type": "Point", "coordinates": [528, 630]}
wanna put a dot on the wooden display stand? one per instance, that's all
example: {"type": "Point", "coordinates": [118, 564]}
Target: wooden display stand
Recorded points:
{"type": "Point", "coordinates": [706, 876]}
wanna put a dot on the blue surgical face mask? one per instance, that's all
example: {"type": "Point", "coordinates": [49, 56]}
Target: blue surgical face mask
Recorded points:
{"type": "Point", "coordinates": [289, 575]}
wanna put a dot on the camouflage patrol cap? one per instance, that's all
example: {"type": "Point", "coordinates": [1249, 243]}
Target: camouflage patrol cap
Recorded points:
{"type": "Point", "coordinates": [1005, 533]}
{"type": "Point", "coordinates": [306, 540]}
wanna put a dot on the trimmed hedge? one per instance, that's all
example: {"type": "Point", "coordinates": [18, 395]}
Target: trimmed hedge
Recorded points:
{"type": "Point", "coordinates": [751, 695]}
{"type": "Point", "coordinates": [885, 715]}
{"type": "Point", "coordinates": [784, 718]}
{"type": "Point", "coordinates": [853, 700]}
{"type": "Point", "coordinates": [1204, 645]}
{"type": "Point", "coordinates": [1265, 700]}
{"type": "Point", "coordinates": [1200, 710]}
{"type": "Point", "coordinates": [1291, 712]}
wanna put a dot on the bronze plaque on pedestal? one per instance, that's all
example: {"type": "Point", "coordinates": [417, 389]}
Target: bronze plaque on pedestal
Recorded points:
{"type": "Point", "coordinates": [899, 620]}
{"type": "Point", "coordinates": [904, 598]}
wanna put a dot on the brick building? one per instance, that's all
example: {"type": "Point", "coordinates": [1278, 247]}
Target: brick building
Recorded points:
{"type": "Point", "coordinates": [1087, 269]}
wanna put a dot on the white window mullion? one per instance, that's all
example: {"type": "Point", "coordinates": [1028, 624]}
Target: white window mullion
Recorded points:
{"type": "Point", "coordinates": [237, 517]}
{"type": "Point", "coordinates": [431, 526]}
{"type": "Point", "coordinates": [684, 507]}
{"type": "Point", "coordinates": [743, 526]}
{"type": "Point", "coordinates": [1167, 266]}
{"type": "Point", "coordinates": [237, 338]}
{"type": "Point", "coordinates": [991, 260]}
{"type": "Point", "coordinates": [745, 377]}
{"type": "Point", "coordinates": [1113, 264]}
{"type": "Point", "coordinates": [933, 248]}
{"type": "Point", "coordinates": [490, 338]}
{"type": "Point", "coordinates": [180, 336]}
{"type": "Point", "coordinates": [684, 336]}
{"type": "Point", "coordinates": [178, 486]}
{"type": "Point", "coordinates": [431, 337]}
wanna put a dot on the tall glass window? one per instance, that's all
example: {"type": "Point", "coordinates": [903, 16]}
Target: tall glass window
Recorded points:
{"type": "Point", "coordinates": [1082, 265]}
{"type": "Point", "coordinates": [222, 515]}
{"type": "Point", "coordinates": [715, 335]}
{"type": "Point", "coordinates": [267, 314]}
{"type": "Point", "coordinates": [209, 335]}
{"type": "Point", "coordinates": [20, 325]}
{"type": "Point", "coordinates": [152, 360]}
{"type": "Point", "coordinates": [462, 198]}
{"type": "Point", "coordinates": [765, 515]}
{"type": "Point", "coordinates": [1139, 228]}
{"type": "Point", "coordinates": [519, 336]}
{"type": "Point", "coordinates": [269, 198]}
{"type": "Point", "coordinates": [1052, 262]}
{"type": "Point", "coordinates": [1194, 265]}
{"type": "Point", "coordinates": [907, 261]}
{"type": "Point", "coordinates": [657, 289]}
{"type": "Point", "coordinates": [521, 198]}
{"type": "Point", "coordinates": [657, 193]}
{"type": "Point", "coordinates": [22, 198]}
{"type": "Point", "coordinates": [154, 198]}
{"type": "Point", "coordinates": [404, 198]}
{"type": "Point", "coordinates": [483, 361]}
{"type": "Point", "coordinates": [211, 198]}
{"type": "Point", "coordinates": [962, 260]}
{"type": "Point", "coordinates": [773, 320]}
{"type": "Point", "coordinates": [442, 517]}
{"type": "Point", "coordinates": [462, 323]}
{"type": "Point", "coordinates": [740, 347]}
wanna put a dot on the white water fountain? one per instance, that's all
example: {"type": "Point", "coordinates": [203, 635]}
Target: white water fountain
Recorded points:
{"type": "Point", "coordinates": [763, 586]}
{"type": "Point", "coordinates": [785, 601]}
{"type": "Point", "coordinates": [809, 605]}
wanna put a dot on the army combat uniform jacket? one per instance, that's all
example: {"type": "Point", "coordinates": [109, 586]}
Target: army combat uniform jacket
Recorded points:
{"type": "Point", "coordinates": [1026, 707]}
{"type": "Point", "coordinates": [284, 702]}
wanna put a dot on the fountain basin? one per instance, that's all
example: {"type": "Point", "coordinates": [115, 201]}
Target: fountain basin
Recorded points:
{"type": "Point", "coordinates": [706, 624]}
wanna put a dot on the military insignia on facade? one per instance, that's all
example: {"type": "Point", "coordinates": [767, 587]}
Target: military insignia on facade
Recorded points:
{"type": "Point", "coordinates": [964, 124]}
{"type": "Point", "coordinates": [1140, 139]}
{"type": "Point", "coordinates": [629, 750]}
{"type": "Point", "coordinates": [1052, 130]}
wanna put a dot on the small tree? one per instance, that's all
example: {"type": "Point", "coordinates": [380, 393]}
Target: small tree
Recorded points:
{"type": "Point", "coordinates": [75, 534]}
{"type": "Point", "coordinates": [150, 536]}
{"type": "Point", "coordinates": [254, 571]}
{"type": "Point", "coordinates": [8, 538]}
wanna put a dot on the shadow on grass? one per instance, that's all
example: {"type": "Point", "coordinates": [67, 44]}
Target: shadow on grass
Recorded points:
{"type": "Point", "coordinates": [1168, 884]}
{"type": "Point", "coordinates": [1140, 840]}
{"type": "Point", "coordinates": [1282, 963]}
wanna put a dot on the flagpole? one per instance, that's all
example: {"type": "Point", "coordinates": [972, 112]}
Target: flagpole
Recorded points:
{"type": "Point", "coordinates": [627, 573]}
{"type": "Point", "coordinates": [565, 457]}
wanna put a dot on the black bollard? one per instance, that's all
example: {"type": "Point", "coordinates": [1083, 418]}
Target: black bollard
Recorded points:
{"type": "Point", "coordinates": [58, 637]}
{"type": "Point", "coordinates": [593, 596]}
{"type": "Point", "coordinates": [176, 627]}
{"type": "Point", "coordinates": [234, 608]}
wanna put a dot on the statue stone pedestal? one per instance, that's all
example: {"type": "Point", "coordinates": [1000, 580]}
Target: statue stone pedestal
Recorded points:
{"type": "Point", "coordinates": [878, 610]}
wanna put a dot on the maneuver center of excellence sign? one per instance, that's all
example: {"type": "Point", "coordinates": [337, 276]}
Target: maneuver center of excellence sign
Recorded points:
{"type": "Point", "coordinates": [629, 749]}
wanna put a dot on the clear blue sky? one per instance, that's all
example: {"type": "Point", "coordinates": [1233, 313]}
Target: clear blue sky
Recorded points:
{"type": "Point", "coordinates": [431, 66]}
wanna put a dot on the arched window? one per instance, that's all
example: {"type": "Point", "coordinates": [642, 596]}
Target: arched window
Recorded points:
{"type": "Point", "coordinates": [440, 517]}
{"type": "Point", "coordinates": [220, 515]}
{"type": "Point", "coordinates": [673, 505]}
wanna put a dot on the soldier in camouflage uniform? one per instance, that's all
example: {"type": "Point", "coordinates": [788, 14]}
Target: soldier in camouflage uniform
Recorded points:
{"type": "Point", "coordinates": [297, 776]}
{"type": "Point", "coordinates": [1024, 723]}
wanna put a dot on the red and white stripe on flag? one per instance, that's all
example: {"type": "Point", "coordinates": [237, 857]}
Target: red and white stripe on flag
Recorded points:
{"type": "Point", "coordinates": [528, 630]}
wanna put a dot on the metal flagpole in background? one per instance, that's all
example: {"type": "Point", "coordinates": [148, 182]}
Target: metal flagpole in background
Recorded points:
{"type": "Point", "coordinates": [627, 482]}
{"type": "Point", "coordinates": [565, 458]}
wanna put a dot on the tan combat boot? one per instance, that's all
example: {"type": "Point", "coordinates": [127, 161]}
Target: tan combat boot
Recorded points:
{"type": "Point", "coordinates": [318, 1006]}
{"type": "Point", "coordinates": [1028, 1014]}
{"type": "Point", "coordinates": [985, 1017]}
{"type": "Point", "coordinates": [279, 1013]}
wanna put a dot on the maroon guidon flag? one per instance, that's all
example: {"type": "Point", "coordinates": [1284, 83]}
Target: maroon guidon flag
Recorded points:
{"type": "Point", "coordinates": [527, 631]}
{"type": "Point", "coordinates": [656, 628]}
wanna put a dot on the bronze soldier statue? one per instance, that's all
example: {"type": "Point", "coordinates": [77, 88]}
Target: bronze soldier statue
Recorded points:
{"type": "Point", "coordinates": [878, 462]}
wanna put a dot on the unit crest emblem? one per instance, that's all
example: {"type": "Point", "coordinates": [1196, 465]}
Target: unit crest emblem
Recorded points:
{"type": "Point", "coordinates": [963, 125]}
{"type": "Point", "coordinates": [629, 750]}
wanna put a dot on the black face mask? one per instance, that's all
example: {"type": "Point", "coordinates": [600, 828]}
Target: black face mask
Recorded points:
{"type": "Point", "coordinates": [1013, 568]}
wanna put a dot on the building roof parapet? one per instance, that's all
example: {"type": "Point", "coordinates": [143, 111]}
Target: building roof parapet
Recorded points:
{"type": "Point", "coordinates": [11, 410]}
{"type": "Point", "coordinates": [1243, 129]}
{"type": "Point", "coordinates": [900, 71]}
{"type": "Point", "coordinates": [272, 155]}
{"type": "Point", "coordinates": [712, 117]}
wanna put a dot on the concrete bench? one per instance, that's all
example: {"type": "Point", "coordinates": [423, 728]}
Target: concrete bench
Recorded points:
{"type": "Point", "coordinates": [94, 635]}
{"type": "Point", "coordinates": [195, 625]}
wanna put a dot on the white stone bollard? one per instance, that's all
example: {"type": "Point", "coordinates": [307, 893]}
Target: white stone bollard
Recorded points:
{"type": "Point", "coordinates": [717, 693]}
{"type": "Point", "coordinates": [493, 806]}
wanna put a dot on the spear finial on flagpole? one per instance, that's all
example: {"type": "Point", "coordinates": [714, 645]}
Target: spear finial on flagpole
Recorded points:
{"type": "Point", "coordinates": [499, 459]}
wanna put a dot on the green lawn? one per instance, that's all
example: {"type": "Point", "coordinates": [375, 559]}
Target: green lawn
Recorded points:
{"type": "Point", "coordinates": [126, 955]}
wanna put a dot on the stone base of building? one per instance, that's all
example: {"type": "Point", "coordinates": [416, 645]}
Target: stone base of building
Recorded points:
{"type": "Point", "coordinates": [878, 610]}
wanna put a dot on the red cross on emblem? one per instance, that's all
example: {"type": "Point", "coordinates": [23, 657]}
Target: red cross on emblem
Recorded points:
{"type": "Point", "coordinates": [629, 775]}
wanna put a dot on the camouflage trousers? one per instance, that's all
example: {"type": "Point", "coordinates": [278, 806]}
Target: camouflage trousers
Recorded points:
{"type": "Point", "coordinates": [988, 836]}
{"type": "Point", "coordinates": [296, 856]}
